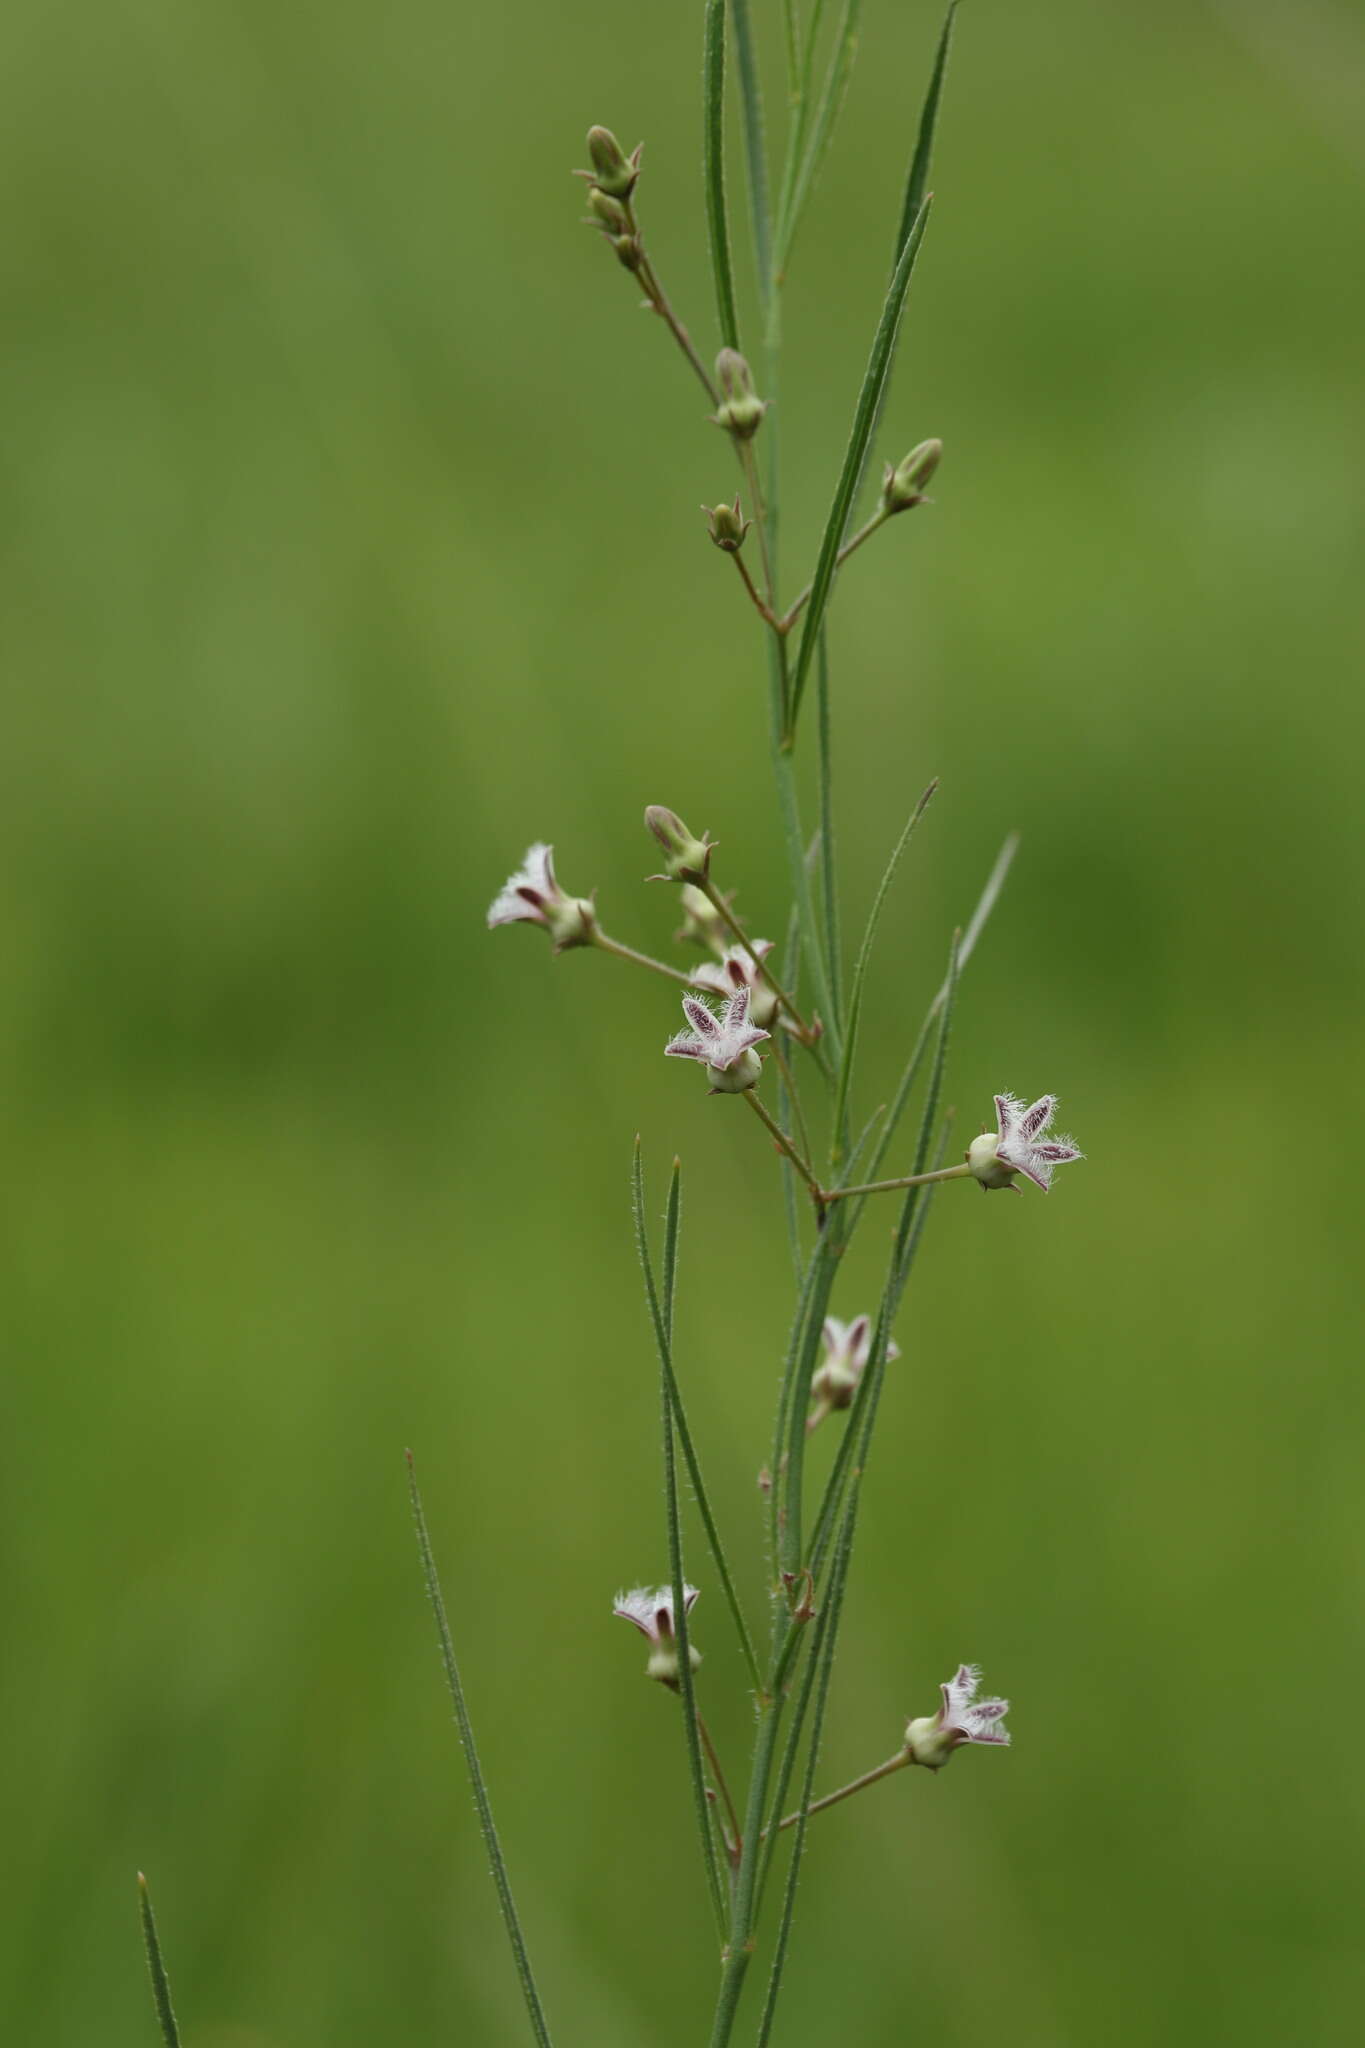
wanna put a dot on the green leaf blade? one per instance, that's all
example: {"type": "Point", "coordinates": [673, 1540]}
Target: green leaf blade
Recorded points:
{"type": "Point", "coordinates": [713, 170]}
{"type": "Point", "coordinates": [864, 417]}
{"type": "Point", "coordinates": [482, 1806]}
{"type": "Point", "coordinates": [156, 1967]}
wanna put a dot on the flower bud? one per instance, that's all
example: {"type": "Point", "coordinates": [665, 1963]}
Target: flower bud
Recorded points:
{"type": "Point", "coordinates": [629, 250]}
{"type": "Point", "coordinates": [741, 411]}
{"type": "Point", "coordinates": [726, 527]}
{"type": "Point", "coordinates": [702, 923]}
{"type": "Point", "coordinates": [608, 211]}
{"type": "Point", "coordinates": [612, 169]}
{"type": "Point", "coordinates": [688, 859]}
{"type": "Point", "coordinates": [903, 485]}
{"type": "Point", "coordinates": [986, 1165]}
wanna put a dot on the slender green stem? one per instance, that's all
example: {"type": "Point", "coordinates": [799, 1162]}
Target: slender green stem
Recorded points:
{"type": "Point", "coordinates": [749, 465]}
{"type": "Point", "coordinates": [713, 170]}
{"type": "Point", "coordinates": [492, 1846]}
{"type": "Point", "coordinates": [850, 547]}
{"type": "Point", "coordinates": [721, 1786]}
{"type": "Point", "coordinates": [606, 944]}
{"type": "Point", "coordinates": [886, 1187]}
{"type": "Point", "coordinates": [728, 918]}
{"type": "Point", "coordinates": [833, 1241]}
{"type": "Point", "coordinates": [739, 1947]}
{"type": "Point", "coordinates": [798, 189]}
{"type": "Point", "coordinates": [755, 154]}
{"type": "Point", "coordinates": [663, 1327]}
{"type": "Point", "coordinates": [784, 1144]}
{"type": "Point", "coordinates": [873, 1777]}
{"type": "Point", "coordinates": [161, 1983]}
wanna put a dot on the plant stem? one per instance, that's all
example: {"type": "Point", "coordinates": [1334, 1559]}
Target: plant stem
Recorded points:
{"type": "Point", "coordinates": [740, 1946]}
{"type": "Point", "coordinates": [728, 918]}
{"type": "Point", "coordinates": [893, 1763]}
{"type": "Point", "coordinates": [884, 1187]}
{"type": "Point", "coordinates": [747, 580]}
{"type": "Point", "coordinates": [745, 451]}
{"type": "Point", "coordinates": [793, 611]}
{"type": "Point", "coordinates": [721, 1786]}
{"type": "Point", "coordinates": [784, 1068]}
{"type": "Point", "coordinates": [610, 945]}
{"type": "Point", "coordinates": [784, 1144]}
{"type": "Point", "coordinates": [658, 299]}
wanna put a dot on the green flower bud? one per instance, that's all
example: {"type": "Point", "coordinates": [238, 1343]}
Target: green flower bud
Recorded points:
{"type": "Point", "coordinates": [612, 169]}
{"type": "Point", "coordinates": [741, 410]}
{"type": "Point", "coordinates": [688, 858]}
{"type": "Point", "coordinates": [726, 527]}
{"type": "Point", "coordinates": [903, 485]}
{"type": "Point", "coordinates": [608, 211]}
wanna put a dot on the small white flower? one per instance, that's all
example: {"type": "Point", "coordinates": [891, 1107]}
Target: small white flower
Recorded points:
{"type": "Point", "coordinates": [1018, 1146]}
{"type": "Point", "coordinates": [848, 1346]}
{"type": "Point", "coordinates": [650, 1609]}
{"type": "Point", "coordinates": [737, 969]}
{"type": "Point", "coordinates": [961, 1718]}
{"type": "Point", "coordinates": [533, 896]}
{"type": "Point", "coordinates": [723, 1044]}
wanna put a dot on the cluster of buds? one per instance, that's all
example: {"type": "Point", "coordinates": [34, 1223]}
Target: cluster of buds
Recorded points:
{"type": "Point", "coordinates": [611, 181]}
{"type": "Point", "coordinates": [741, 409]}
{"type": "Point", "coordinates": [533, 896]}
{"type": "Point", "coordinates": [903, 484]}
{"type": "Point", "coordinates": [650, 1609]}
{"type": "Point", "coordinates": [702, 923]}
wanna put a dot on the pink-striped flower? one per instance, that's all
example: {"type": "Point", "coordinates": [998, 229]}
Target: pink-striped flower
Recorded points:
{"type": "Point", "coordinates": [848, 1347]}
{"type": "Point", "coordinates": [724, 1044]}
{"type": "Point", "coordinates": [650, 1609]}
{"type": "Point", "coordinates": [533, 896]}
{"type": "Point", "coordinates": [737, 969]}
{"type": "Point", "coordinates": [1019, 1145]}
{"type": "Point", "coordinates": [961, 1718]}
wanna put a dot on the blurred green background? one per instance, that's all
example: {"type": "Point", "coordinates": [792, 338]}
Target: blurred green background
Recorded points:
{"type": "Point", "coordinates": [351, 542]}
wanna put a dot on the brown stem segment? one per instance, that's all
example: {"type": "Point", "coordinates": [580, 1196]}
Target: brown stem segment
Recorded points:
{"type": "Point", "coordinates": [748, 582]}
{"type": "Point", "coordinates": [728, 918]}
{"type": "Point", "coordinates": [736, 1838]}
{"type": "Point", "coordinates": [784, 1144]}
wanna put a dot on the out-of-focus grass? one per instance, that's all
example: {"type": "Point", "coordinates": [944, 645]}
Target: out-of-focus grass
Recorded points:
{"type": "Point", "coordinates": [351, 542]}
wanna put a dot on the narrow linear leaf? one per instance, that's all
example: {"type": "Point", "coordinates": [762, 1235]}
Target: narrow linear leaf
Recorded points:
{"type": "Point", "coordinates": [790, 1476]}
{"type": "Point", "coordinates": [874, 378]}
{"type": "Point", "coordinates": [800, 81]}
{"type": "Point", "coordinates": [713, 170]}
{"type": "Point", "coordinates": [916, 191]}
{"type": "Point", "coordinates": [819, 1671]}
{"type": "Point", "coordinates": [917, 183]}
{"type": "Point", "coordinates": [482, 1807]}
{"type": "Point", "coordinates": [855, 1000]}
{"type": "Point", "coordinates": [829, 884]}
{"type": "Point", "coordinates": [161, 1983]}
{"type": "Point", "coordinates": [755, 149]}
{"type": "Point", "coordinates": [663, 1340]}
{"type": "Point", "coordinates": [784, 769]}
{"type": "Point", "coordinates": [986, 903]}
{"type": "Point", "coordinates": [661, 1318]}
{"type": "Point", "coordinates": [807, 168]}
